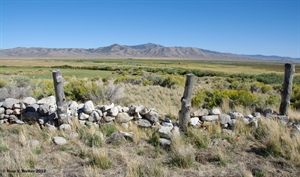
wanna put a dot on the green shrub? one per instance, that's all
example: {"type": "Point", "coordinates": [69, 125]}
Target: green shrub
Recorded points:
{"type": "Point", "coordinates": [21, 81]}
{"type": "Point", "coordinates": [3, 83]}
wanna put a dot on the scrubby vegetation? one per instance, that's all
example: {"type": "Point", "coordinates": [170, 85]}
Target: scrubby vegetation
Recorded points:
{"type": "Point", "coordinates": [271, 150]}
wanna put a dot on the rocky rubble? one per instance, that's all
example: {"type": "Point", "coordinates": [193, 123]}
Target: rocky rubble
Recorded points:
{"type": "Point", "coordinates": [29, 110]}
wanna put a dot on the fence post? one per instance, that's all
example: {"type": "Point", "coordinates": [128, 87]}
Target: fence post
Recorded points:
{"type": "Point", "coordinates": [287, 88]}
{"type": "Point", "coordinates": [60, 98]}
{"type": "Point", "coordinates": [184, 113]}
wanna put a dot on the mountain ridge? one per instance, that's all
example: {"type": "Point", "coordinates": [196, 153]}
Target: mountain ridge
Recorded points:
{"type": "Point", "coordinates": [147, 50]}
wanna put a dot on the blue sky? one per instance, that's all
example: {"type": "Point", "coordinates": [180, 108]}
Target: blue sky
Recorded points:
{"type": "Point", "coordinates": [268, 27]}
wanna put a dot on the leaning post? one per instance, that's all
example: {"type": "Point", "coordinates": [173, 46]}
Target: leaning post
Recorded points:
{"type": "Point", "coordinates": [60, 98]}
{"type": "Point", "coordinates": [287, 88]}
{"type": "Point", "coordinates": [184, 113]}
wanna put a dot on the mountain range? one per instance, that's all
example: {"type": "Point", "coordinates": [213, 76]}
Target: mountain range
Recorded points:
{"type": "Point", "coordinates": [148, 50]}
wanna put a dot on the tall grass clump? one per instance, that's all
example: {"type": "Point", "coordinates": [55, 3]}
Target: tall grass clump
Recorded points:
{"type": "Point", "coordinates": [182, 155]}
{"type": "Point", "coordinates": [198, 138]}
{"type": "Point", "coordinates": [101, 159]}
{"type": "Point", "coordinates": [278, 140]}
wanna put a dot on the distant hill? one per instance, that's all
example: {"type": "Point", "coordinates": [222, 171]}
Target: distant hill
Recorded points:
{"type": "Point", "coordinates": [148, 50]}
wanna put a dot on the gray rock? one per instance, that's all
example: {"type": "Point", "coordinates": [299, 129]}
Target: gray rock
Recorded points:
{"type": "Point", "coordinates": [224, 118]}
{"type": "Point", "coordinates": [51, 101]}
{"type": "Point", "coordinates": [114, 111]}
{"type": "Point", "coordinates": [13, 118]}
{"type": "Point", "coordinates": [127, 134]}
{"type": "Point", "coordinates": [99, 112]}
{"type": "Point", "coordinates": [199, 113]}
{"type": "Point", "coordinates": [250, 117]}
{"type": "Point", "coordinates": [139, 108]}
{"type": "Point", "coordinates": [34, 143]}
{"type": "Point", "coordinates": [246, 121]}
{"type": "Point", "coordinates": [66, 127]}
{"type": "Point", "coordinates": [164, 142]}
{"type": "Point", "coordinates": [105, 108]}
{"type": "Point", "coordinates": [108, 118]}
{"type": "Point", "coordinates": [153, 116]}
{"type": "Point", "coordinates": [17, 111]}
{"type": "Point", "coordinates": [44, 109]}
{"type": "Point", "coordinates": [17, 106]}
{"type": "Point", "coordinates": [268, 111]}
{"type": "Point", "coordinates": [165, 132]}
{"type": "Point", "coordinates": [143, 123]}
{"type": "Point", "coordinates": [123, 117]}
{"type": "Point", "coordinates": [2, 116]}
{"type": "Point", "coordinates": [144, 111]}
{"type": "Point", "coordinates": [236, 115]}
{"type": "Point", "coordinates": [94, 117]}
{"type": "Point", "coordinates": [115, 138]}
{"type": "Point", "coordinates": [59, 140]}
{"type": "Point", "coordinates": [215, 111]}
{"type": "Point", "coordinates": [9, 102]}
{"type": "Point", "coordinates": [83, 116]}
{"type": "Point", "coordinates": [167, 122]}
{"type": "Point", "coordinates": [256, 114]}
{"type": "Point", "coordinates": [19, 122]}
{"type": "Point", "coordinates": [9, 111]}
{"type": "Point", "coordinates": [88, 107]}
{"type": "Point", "coordinates": [32, 108]}
{"type": "Point", "coordinates": [210, 118]}
{"type": "Point", "coordinates": [195, 121]}
{"type": "Point", "coordinates": [28, 101]}
{"type": "Point", "coordinates": [73, 105]}
{"type": "Point", "coordinates": [2, 110]}
{"type": "Point", "coordinates": [52, 109]}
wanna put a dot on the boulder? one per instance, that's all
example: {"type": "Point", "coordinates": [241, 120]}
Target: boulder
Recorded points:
{"type": "Point", "coordinates": [235, 115]}
{"type": "Point", "coordinates": [215, 111]}
{"type": "Point", "coordinates": [9, 111]}
{"type": "Point", "coordinates": [114, 111]}
{"type": "Point", "coordinates": [164, 142]}
{"type": "Point", "coordinates": [108, 118]}
{"type": "Point", "coordinates": [44, 109]}
{"type": "Point", "coordinates": [199, 113]}
{"type": "Point", "coordinates": [59, 140]}
{"type": "Point", "coordinates": [153, 116]}
{"type": "Point", "coordinates": [210, 118]}
{"type": "Point", "coordinates": [224, 118]}
{"type": "Point", "coordinates": [165, 132]}
{"type": "Point", "coordinates": [83, 116]}
{"type": "Point", "coordinates": [2, 110]}
{"type": "Point", "coordinates": [28, 101]}
{"type": "Point", "coordinates": [88, 107]}
{"type": "Point", "coordinates": [9, 102]}
{"type": "Point", "coordinates": [195, 121]}
{"type": "Point", "coordinates": [94, 117]}
{"type": "Point", "coordinates": [51, 101]}
{"type": "Point", "coordinates": [123, 117]}
{"type": "Point", "coordinates": [143, 123]}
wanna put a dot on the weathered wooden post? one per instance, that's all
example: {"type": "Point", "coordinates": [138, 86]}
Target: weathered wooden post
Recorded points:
{"type": "Point", "coordinates": [184, 113]}
{"type": "Point", "coordinates": [287, 88]}
{"type": "Point", "coordinates": [60, 98]}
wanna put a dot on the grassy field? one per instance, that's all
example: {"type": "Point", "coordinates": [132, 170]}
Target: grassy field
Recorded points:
{"type": "Point", "coordinates": [271, 150]}
{"type": "Point", "coordinates": [31, 67]}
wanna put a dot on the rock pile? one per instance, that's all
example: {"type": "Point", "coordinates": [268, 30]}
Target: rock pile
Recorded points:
{"type": "Point", "coordinates": [28, 110]}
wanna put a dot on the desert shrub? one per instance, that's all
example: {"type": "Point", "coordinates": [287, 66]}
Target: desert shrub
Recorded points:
{"type": "Point", "coordinates": [76, 90]}
{"type": "Point", "coordinates": [136, 80]}
{"type": "Point", "coordinates": [21, 81]}
{"type": "Point", "coordinates": [3, 83]}
{"type": "Point", "coordinates": [14, 92]}
{"type": "Point", "coordinates": [266, 88]}
{"type": "Point", "coordinates": [43, 88]}
{"type": "Point", "coordinates": [98, 92]}
{"type": "Point", "coordinates": [213, 98]}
